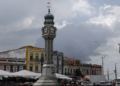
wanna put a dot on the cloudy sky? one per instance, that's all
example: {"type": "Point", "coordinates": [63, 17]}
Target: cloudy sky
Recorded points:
{"type": "Point", "coordinates": [87, 29]}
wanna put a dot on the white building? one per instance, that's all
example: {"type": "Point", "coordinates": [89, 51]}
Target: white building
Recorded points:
{"type": "Point", "coordinates": [58, 61]}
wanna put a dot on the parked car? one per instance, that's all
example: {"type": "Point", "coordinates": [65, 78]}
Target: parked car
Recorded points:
{"type": "Point", "coordinates": [102, 83]}
{"type": "Point", "coordinates": [97, 83]}
{"type": "Point", "coordinates": [108, 83]}
{"type": "Point", "coordinates": [86, 83]}
{"type": "Point", "coordinates": [105, 83]}
{"type": "Point", "coordinates": [78, 79]}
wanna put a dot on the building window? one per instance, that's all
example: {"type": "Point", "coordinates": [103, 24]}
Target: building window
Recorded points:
{"type": "Point", "coordinates": [36, 68]}
{"type": "Point", "coordinates": [31, 57]}
{"type": "Point", "coordinates": [74, 71]}
{"type": "Point", "coordinates": [71, 71]}
{"type": "Point", "coordinates": [37, 58]}
{"type": "Point", "coordinates": [59, 58]}
{"type": "Point", "coordinates": [30, 67]}
{"type": "Point", "coordinates": [1, 67]}
{"type": "Point", "coordinates": [65, 71]}
{"type": "Point", "coordinates": [87, 72]}
{"type": "Point", "coordinates": [8, 68]}
{"type": "Point", "coordinates": [68, 70]}
{"type": "Point", "coordinates": [59, 70]}
{"type": "Point", "coordinates": [20, 68]}
{"type": "Point", "coordinates": [14, 68]}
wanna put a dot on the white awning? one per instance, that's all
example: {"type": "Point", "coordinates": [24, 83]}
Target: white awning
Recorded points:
{"type": "Point", "coordinates": [4, 73]}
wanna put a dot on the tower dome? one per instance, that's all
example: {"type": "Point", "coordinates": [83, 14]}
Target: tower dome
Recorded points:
{"type": "Point", "coordinates": [49, 15]}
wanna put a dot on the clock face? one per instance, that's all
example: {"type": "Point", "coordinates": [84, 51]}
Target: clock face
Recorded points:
{"type": "Point", "coordinates": [52, 30]}
{"type": "Point", "coordinates": [45, 30]}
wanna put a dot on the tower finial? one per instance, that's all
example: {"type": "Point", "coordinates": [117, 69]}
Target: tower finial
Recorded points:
{"type": "Point", "coordinates": [49, 6]}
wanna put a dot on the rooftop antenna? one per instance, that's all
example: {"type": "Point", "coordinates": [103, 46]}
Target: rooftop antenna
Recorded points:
{"type": "Point", "coordinates": [48, 6]}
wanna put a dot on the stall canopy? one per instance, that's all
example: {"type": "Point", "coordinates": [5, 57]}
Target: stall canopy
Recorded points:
{"type": "Point", "coordinates": [26, 73]}
{"type": "Point", "coordinates": [4, 73]}
{"type": "Point", "coordinates": [62, 76]}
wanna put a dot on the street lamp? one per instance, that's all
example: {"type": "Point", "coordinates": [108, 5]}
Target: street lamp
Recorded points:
{"type": "Point", "coordinates": [119, 47]}
{"type": "Point", "coordinates": [115, 71]}
{"type": "Point", "coordinates": [108, 73]}
{"type": "Point", "coordinates": [42, 60]}
{"type": "Point", "coordinates": [102, 66]}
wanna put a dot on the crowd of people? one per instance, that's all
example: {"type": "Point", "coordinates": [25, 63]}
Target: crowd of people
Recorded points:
{"type": "Point", "coordinates": [64, 82]}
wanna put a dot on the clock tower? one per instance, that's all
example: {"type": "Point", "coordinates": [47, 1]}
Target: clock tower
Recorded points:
{"type": "Point", "coordinates": [48, 77]}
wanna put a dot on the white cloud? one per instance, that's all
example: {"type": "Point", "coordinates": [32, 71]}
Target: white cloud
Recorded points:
{"type": "Point", "coordinates": [108, 15]}
{"type": "Point", "coordinates": [83, 7]}
{"type": "Point", "coordinates": [27, 22]}
{"type": "Point", "coordinates": [74, 8]}
{"type": "Point", "coordinates": [64, 23]}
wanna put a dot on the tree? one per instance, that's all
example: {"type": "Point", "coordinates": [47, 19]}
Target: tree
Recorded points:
{"type": "Point", "coordinates": [78, 72]}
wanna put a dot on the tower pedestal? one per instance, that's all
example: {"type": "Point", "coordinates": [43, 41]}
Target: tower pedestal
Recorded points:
{"type": "Point", "coordinates": [48, 77]}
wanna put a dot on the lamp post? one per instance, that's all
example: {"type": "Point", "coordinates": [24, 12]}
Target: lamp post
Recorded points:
{"type": "Point", "coordinates": [42, 60]}
{"type": "Point", "coordinates": [115, 71]}
{"type": "Point", "coordinates": [108, 73]}
{"type": "Point", "coordinates": [102, 66]}
{"type": "Point", "coordinates": [119, 47]}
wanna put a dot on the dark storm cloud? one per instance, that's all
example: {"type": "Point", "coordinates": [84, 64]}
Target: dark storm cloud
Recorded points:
{"type": "Point", "coordinates": [79, 41]}
{"type": "Point", "coordinates": [16, 10]}
{"type": "Point", "coordinates": [17, 39]}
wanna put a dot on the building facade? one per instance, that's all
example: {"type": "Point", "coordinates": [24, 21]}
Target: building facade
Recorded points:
{"type": "Point", "coordinates": [66, 68]}
{"type": "Point", "coordinates": [71, 65]}
{"type": "Point", "coordinates": [12, 64]}
{"type": "Point", "coordinates": [74, 65]}
{"type": "Point", "coordinates": [96, 69]}
{"type": "Point", "coordinates": [18, 64]}
{"type": "Point", "coordinates": [32, 55]}
{"type": "Point", "coordinates": [86, 69]}
{"type": "Point", "coordinates": [58, 61]}
{"type": "Point", "coordinates": [33, 59]}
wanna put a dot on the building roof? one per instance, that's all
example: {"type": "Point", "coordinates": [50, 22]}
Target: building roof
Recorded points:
{"type": "Point", "coordinates": [19, 48]}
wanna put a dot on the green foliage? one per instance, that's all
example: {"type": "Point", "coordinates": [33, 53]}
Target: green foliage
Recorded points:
{"type": "Point", "coordinates": [42, 60]}
{"type": "Point", "coordinates": [78, 72]}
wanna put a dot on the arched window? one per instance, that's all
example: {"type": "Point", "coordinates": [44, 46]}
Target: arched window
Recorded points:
{"type": "Point", "coordinates": [71, 71]}
{"type": "Point", "coordinates": [65, 71]}
{"type": "Point", "coordinates": [36, 68]}
{"type": "Point", "coordinates": [14, 68]}
{"type": "Point", "coordinates": [37, 58]}
{"type": "Point", "coordinates": [8, 68]}
{"type": "Point", "coordinates": [74, 71]}
{"type": "Point", "coordinates": [31, 57]}
{"type": "Point", "coordinates": [87, 72]}
{"type": "Point", "coordinates": [68, 70]}
{"type": "Point", "coordinates": [93, 72]}
{"type": "Point", "coordinates": [1, 67]}
{"type": "Point", "coordinates": [30, 67]}
{"type": "Point", "coordinates": [20, 68]}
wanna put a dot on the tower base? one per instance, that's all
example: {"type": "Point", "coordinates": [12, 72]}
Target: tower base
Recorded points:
{"type": "Point", "coordinates": [47, 81]}
{"type": "Point", "coordinates": [48, 77]}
